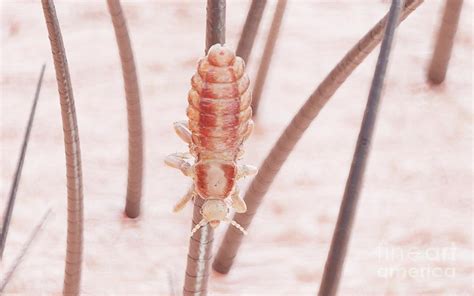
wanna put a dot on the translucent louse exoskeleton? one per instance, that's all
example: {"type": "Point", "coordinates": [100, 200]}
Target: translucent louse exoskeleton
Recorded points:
{"type": "Point", "coordinates": [219, 121]}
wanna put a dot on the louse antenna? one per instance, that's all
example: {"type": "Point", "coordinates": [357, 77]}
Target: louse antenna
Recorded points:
{"type": "Point", "coordinates": [238, 226]}
{"type": "Point", "coordinates": [198, 226]}
{"type": "Point", "coordinates": [204, 222]}
{"type": "Point", "coordinates": [16, 178]}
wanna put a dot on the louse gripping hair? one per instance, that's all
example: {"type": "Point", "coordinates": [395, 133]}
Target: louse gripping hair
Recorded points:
{"type": "Point", "coordinates": [219, 121]}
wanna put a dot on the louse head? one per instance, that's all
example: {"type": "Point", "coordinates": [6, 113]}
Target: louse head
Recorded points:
{"type": "Point", "coordinates": [214, 211]}
{"type": "Point", "coordinates": [220, 55]}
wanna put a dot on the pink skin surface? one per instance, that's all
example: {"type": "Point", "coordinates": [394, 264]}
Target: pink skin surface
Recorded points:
{"type": "Point", "coordinates": [416, 202]}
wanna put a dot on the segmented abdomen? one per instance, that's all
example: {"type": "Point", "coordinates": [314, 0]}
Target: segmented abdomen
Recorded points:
{"type": "Point", "coordinates": [219, 105]}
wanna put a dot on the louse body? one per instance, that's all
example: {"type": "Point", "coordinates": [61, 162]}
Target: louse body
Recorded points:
{"type": "Point", "coordinates": [219, 114]}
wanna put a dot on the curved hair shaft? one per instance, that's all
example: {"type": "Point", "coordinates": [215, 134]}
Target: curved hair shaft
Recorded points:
{"type": "Point", "coordinates": [134, 113]}
{"type": "Point", "coordinates": [72, 277]}
{"type": "Point", "coordinates": [342, 232]}
{"type": "Point", "coordinates": [267, 55]}
{"type": "Point", "coordinates": [215, 22]}
{"type": "Point", "coordinates": [444, 41]}
{"type": "Point", "coordinates": [249, 32]}
{"type": "Point", "coordinates": [294, 131]}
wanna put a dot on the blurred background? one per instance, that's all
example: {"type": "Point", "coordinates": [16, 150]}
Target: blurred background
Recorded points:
{"type": "Point", "coordinates": [413, 230]}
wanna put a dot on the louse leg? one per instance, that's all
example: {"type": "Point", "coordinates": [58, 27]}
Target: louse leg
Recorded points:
{"type": "Point", "coordinates": [237, 202]}
{"type": "Point", "coordinates": [246, 170]}
{"type": "Point", "coordinates": [240, 153]}
{"type": "Point", "coordinates": [246, 135]}
{"type": "Point", "coordinates": [184, 155]}
{"type": "Point", "coordinates": [184, 200]}
{"type": "Point", "coordinates": [249, 130]}
{"type": "Point", "coordinates": [182, 130]}
{"type": "Point", "coordinates": [180, 161]}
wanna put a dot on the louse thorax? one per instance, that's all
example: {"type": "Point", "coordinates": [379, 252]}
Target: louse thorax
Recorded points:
{"type": "Point", "coordinates": [214, 178]}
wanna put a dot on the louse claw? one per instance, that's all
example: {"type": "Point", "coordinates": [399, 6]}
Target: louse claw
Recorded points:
{"type": "Point", "coordinates": [182, 130]}
{"type": "Point", "coordinates": [246, 170]}
{"type": "Point", "coordinates": [178, 161]}
{"type": "Point", "coordinates": [238, 203]}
